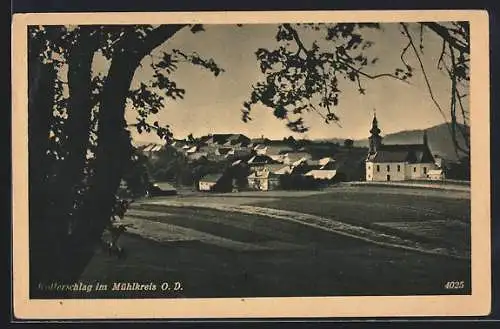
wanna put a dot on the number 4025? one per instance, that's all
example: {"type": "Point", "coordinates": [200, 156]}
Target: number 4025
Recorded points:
{"type": "Point", "coordinates": [454, 285]}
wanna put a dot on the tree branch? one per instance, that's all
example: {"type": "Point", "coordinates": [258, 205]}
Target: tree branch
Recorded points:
{"type": "Point", "coordinates": [441, 56]}
{"type": "Point", "coordinates": [296, 37]}
{"type": "Point", "coordinates": [405, 49]}
{"type": "Point", "coordinates": [427, 82]}
{"type": "Point", "coordinates": [370, 76]}
{"type": "Point", "coordinates": [445, 34]}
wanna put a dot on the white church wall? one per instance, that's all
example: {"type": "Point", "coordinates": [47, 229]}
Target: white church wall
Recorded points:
{"type": "Point", "coordinates": [385, 171]}
{"type": "Point", "coordinates": [420, 170]}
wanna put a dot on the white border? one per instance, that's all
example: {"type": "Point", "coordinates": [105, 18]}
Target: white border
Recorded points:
{"type": "Point", "coordinates": [367, 306]}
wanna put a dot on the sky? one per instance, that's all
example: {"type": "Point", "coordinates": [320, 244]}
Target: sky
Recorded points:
{"type": "Point", "coordinates": [213, 104]}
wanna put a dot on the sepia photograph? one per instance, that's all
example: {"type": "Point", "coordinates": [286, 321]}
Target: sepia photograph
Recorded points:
{"type": "Point", "coordinates": [301, 158]}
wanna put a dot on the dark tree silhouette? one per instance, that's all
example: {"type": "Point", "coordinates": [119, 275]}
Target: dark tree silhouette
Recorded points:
{"type": "Point", "coordinates": [79, 143]}
{"type": "Point", "coordinates": [348, 143]}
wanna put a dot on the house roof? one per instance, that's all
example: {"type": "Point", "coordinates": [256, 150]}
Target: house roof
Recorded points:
{"type": "Point", "coordinates": [299, 162]}
{"type": "Point", "coordinates": [157, 148]}
{"type": "Point", "coordinates": [325, 160]}
{"type": "Point", "coordinates": [259, 146]}
{"type": "Point", "coordinates": [211, 178]}
{"type": "Point", "coordinates": [322, 174]}
{"type": "Point", "coordinates": [274, 167]}
{"type": "Point", "coordinates": [148, 147]}
{"type": "Point", "coordinates": [304, 168]}
{"type": "Point", "coordinates": [294, 156]}
{"type": "Point", "coordinates": [224, 150]}
{"type": "Point", "coordinates": [165, 186]}
{"type": "Point", "coordinates": [237, 162]}
{"type": "Point", "coordinates": [313, 162]}
{"type": "Point", "coordinates": [197, 155]}
{"type": "Point", "coordinates": [278, 149]}
{"type": "Point", "coordinates": [192, 149]}
{"type": "Point", "coordinates": [260, 159]}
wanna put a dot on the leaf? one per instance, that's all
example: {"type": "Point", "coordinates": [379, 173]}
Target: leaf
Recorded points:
{"type": "Point", "coordinates": [280, 112]}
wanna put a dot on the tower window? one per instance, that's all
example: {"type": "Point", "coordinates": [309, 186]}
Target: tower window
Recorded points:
{"type": "Point", "coordinates": [388, 167]}
{"type": "Point", "coordinates": [399, 167]}
{"type": "Point", "coordinates": [378, 167]}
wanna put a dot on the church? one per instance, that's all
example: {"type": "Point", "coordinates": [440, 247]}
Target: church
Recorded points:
{"type": "Point", "coordinates": [397, 162]}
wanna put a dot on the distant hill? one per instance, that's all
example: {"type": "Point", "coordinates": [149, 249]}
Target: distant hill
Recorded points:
{"type": "Point", "coordinates": [439, 138]}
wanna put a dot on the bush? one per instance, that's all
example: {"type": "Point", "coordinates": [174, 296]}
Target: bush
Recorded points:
{"type": "Point", "coordinates": [298, 182]}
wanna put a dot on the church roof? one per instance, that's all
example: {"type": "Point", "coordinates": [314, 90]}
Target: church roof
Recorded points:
{"type": "Point", "coordinates": [412, 153]}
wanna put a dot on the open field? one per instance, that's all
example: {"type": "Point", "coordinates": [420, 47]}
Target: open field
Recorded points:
{"type": "Point", "coordinates": [214, 247]}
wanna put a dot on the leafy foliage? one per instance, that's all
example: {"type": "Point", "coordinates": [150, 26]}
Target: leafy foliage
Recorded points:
{"type": "Point", "coordinates": [301, 78]}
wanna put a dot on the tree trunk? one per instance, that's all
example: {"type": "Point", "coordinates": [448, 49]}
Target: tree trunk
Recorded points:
{"type": "Point", "coordinates": [112, 151]}
{"type": "Point", "coordinates": [41, 82]}
{"type": "Point", "coordinates": [49, 230]}
{"type": "Point", "coordinates": [77, 126]}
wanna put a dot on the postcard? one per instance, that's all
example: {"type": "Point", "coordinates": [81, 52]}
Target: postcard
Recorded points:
{"type": "Point", "coordinates": [242, 165]}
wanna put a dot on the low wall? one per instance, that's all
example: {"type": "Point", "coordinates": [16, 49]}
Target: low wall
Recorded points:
{"type": "Point", "coordinates": [445, 185]}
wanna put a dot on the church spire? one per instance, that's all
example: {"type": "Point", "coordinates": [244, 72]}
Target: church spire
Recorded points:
{"type": "Point", "coordinates": [375, 139]}
{"type": "Point", "coordinates": [375, 129]}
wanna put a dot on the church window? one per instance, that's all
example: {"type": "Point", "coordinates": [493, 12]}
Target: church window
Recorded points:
{"type": "Point", "coordinates": [378, 167]}
{"type": "Point", "coordinates": [399, 167]}
{"type": "Point", "coordinates": [425, 170]}
{"type": "Point", "coordinates": [388, 168]}
{"type": "Point", "coordinates": [414, 169]}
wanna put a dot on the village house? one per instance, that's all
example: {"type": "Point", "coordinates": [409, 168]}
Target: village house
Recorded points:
{"type": "Point", "coordinates": [397, 162]}
{"type": "Point", "coordinates": [212, 182]}
{"type": "Point", "coordinates": [263, 180]}
{"type": "Point", "coordinates": [436, 174]}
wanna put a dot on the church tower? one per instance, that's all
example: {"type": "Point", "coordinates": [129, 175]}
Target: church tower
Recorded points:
{"type": "Point", "coordinates": [375, 139]}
